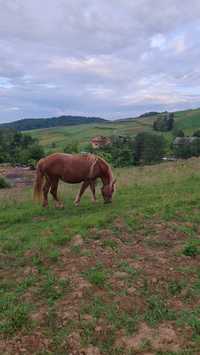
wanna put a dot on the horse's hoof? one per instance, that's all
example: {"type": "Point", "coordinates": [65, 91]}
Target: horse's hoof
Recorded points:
{"type": "Point", "coordinates": [76, 203]}
{"type": "Point", "coordinates": [59, 205]}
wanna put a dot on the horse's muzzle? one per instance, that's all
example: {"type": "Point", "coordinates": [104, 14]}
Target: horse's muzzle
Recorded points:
{"type": "Point", "coordinates": [108, 201]}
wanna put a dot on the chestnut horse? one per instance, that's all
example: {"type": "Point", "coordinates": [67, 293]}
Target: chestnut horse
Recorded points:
{"type": "Point", "coordinates": [85, 168]}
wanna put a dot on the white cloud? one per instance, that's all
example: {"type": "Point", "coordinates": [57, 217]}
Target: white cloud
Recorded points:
{"type": "Point", "coordinates": [158, 41]}
{"type": "Point", "coordinates": [98, 65]}
{"type": "Point", "coordinates": [179, 45]}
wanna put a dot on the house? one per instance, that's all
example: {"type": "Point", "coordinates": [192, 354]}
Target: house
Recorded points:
{"type": "Point", "coordinates": [100, 141]}
{"type": "Point", "coordinates": [180, 141]}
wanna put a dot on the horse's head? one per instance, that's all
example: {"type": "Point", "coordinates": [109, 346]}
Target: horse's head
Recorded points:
{"type": "Point", "coordinates": [107, 191]}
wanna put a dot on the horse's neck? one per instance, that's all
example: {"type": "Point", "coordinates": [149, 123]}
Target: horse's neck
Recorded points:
{"type": "Point", "coordinates": [106, 173]}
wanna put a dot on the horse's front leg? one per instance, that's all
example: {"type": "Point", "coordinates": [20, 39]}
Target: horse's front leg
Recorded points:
{"type": "Point", "coordinates": [84, 186]}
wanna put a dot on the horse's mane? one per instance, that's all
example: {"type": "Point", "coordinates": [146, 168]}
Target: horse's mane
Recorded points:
{"type": "Point", "coordinates": [108, 167]}
{"type": "Point", "coordinates": [93, 160]}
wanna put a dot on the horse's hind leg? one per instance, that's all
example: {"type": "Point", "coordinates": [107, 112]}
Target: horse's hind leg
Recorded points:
{"type": "Point", "coordinates": [46, 188]}
{"type": "Point", "coordinates": [92, 187]}
{"type": "Point", "coordinates": [54, 192]}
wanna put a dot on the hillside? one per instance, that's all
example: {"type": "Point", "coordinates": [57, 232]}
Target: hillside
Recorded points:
{"type": "Point", "coordinates": [104, 279]}
{"type": "Point", "coordinates": [57, 137]}
{"type": "Point", "coordinates": [188, 120]}
{"type": "Point", "coordinates": [38, 123]}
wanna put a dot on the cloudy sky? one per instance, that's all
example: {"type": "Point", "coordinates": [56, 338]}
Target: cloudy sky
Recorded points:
{"type": "Point", "coordinates": [109, 58]}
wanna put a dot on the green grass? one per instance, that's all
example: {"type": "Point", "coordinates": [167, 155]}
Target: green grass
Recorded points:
{"type": "Point", "coordinates": [97, 275]}
{"type": "Point", "coordinates": [188, 120]}
{"type": "Point", "coordinates": [150, 231]}
{"type": "Point", "coordinates": [157, 311]}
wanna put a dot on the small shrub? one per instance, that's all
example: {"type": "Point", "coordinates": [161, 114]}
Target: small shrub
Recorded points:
{"type": "Point", "coordinates": [190, 250]}
{"type": "Point", "coordinates": [4, 183]}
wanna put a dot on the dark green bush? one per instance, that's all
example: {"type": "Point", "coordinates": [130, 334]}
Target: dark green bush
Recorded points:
{"type": "Point", "coordinates": [190, 250]}
{"type": "Point", "coordinates": [196, 133]}
{"type": "Point", "coordinates": [4, 183]}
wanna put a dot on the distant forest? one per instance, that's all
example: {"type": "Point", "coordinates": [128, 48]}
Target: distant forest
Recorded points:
{"type": "Point", "coordinates": [36, 123]}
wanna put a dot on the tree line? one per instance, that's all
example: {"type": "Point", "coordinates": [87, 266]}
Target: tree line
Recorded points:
{"type": "Point", "coordinates": [19, 148]}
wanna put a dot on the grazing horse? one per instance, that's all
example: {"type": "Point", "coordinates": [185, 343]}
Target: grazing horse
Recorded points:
{"type": "Point", "coordinates": [85, 168]}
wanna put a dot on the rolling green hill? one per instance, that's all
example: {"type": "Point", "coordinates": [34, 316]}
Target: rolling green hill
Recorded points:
{"type": "Point", "coordinates": [188, 120]}
{"type": "Point", "coordinates": [36, 123]}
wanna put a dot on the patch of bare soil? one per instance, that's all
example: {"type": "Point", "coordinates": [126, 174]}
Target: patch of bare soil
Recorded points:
{"type": "Point", "coordinates": [18, 176]}
{"type": "Point", "coordinates": [163, 338]}
{"type": "Point", "coordinates": [27, 344]}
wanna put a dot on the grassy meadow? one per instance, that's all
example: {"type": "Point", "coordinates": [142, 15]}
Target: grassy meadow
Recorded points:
{"type": "Point", "coordinates": [110, 279]}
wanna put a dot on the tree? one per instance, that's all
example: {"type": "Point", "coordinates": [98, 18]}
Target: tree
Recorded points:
{"type": "Point", "coordinates": [16, 147]}
{"type": "Point", "coordinates": [164, 123]}
{"type": "Point", "coordinates": [149, 148]}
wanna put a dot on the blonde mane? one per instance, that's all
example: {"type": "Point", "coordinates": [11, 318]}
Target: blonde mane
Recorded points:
{"type": "Point", "coordinates": [108, 166]}
{"type": "Point", "coordinates": [93, 159]}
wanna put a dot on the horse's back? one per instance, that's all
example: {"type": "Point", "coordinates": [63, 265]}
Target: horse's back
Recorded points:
{"type": "Point", "coordinates": [68, 167]}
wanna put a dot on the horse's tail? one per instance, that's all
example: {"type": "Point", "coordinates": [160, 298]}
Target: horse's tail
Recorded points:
{"type": "Point", "coordinates": [39, 180]}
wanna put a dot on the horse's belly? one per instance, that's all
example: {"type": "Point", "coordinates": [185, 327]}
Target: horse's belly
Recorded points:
{"type": "Point", "coordinates": [74, 177]}
{"type": "Point", "coordinates": [72, 180]}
